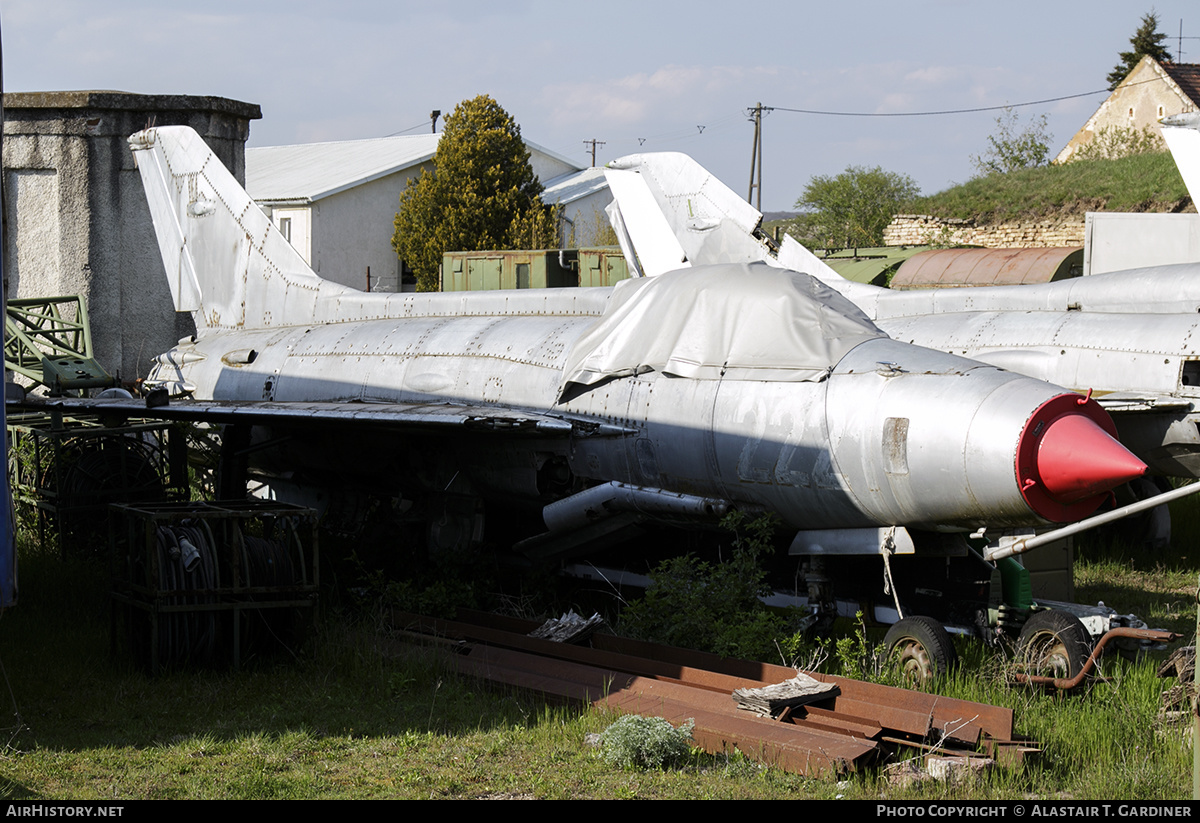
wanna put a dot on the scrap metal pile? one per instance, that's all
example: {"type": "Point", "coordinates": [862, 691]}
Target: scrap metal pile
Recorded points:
{"type": "Point", "coordinates": [855, 724]}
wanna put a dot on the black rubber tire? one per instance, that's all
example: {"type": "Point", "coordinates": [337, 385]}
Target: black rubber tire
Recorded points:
{"type": "Point", "coordinates": [1055, 644]}
{"type": "Point", "coordinates": [922, 648]}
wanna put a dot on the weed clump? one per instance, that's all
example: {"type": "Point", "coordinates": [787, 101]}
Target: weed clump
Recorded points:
{"type": "Point", "coordinates": [636, 742]}
{"type": "Point", "coordinates": [715, 606]}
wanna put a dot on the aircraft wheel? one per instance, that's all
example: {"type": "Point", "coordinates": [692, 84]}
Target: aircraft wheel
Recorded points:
{"type": "Point", "coordinates": [1054, 644]}
{"type": "Point", "coordinates": [922, 648]}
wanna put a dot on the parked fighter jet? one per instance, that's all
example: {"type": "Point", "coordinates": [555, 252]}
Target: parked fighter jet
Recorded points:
{"type": "Point", "coordinates": [674, 398]}
{"type": "Point", "coordinates": [699, 391]}
{"type": "Point", "coordinates": [1080, 333]}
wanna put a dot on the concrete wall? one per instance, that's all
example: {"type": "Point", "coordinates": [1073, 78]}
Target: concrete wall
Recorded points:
{"type": "Point", "coordinates": [76, 220]}
{"type": "Point", "coordinates": [1112, 241]}
{"type": "Point", "coordinates": [587, 220]}
{"type": "Point", "coordinates": [921, 229]}
{"type": "Point", "coordinates": [546, 167]}
{"type": "Point", "coordinates": [352, 230]}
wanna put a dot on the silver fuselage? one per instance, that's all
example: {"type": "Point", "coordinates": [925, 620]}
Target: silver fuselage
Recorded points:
{"type": "Point", "coordinates": [821, 454]}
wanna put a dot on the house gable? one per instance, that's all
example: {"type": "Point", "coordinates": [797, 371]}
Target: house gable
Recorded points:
{"type": "Point", "coordinates": [1150, 92]}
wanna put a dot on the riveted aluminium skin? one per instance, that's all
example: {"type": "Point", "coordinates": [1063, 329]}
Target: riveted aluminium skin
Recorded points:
{"type": "Point", "coordinates": [821, 455]}
{"type": "Point", "coordinates": [892, 435]}
{"type": "Point", "coordinates": [1131, 337]}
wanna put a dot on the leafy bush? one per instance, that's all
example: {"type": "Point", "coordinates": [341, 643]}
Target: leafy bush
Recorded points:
{"type": "Point", "coordinates": [636, 742]}
{"type": "Point", "coordinates": [1013, 148]}
{"type": "Point", "coordinates": [1114, 142]}
{"type": "Point", "coordinates": [714, 606]}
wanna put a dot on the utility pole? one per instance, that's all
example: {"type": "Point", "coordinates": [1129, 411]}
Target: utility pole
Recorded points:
{"type": "Point", "coordinates": [755, 114]}
{"type": "Point", "coordinates": [433, 116]}
{"type": "Point", "coordinates": [1179, 48]}
{"type": "Point", "coordinates": [593, 143]}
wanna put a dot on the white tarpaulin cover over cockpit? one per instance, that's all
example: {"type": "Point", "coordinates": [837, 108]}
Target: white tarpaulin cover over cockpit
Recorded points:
{"type": "Point", "coordinates": [735, 321]}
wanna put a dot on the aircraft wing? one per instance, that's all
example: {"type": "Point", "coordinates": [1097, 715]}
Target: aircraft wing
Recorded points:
{"type": "Point", "coordinates": [395, 416]}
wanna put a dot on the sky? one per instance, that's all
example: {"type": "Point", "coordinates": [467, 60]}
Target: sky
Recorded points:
{"type": "Point", "coordinates": [644, 76]}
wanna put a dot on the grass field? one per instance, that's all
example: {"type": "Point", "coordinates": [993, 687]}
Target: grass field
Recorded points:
{"type": "Point", "coordinates": [1143, 182]}
{"type": "Point", "coordinates": [354, 715]}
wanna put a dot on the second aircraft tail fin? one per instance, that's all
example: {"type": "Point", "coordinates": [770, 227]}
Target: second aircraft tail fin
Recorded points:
{"type": "Point", "coordinates": [1182, 133]}
{"type": "Point", "coordinates": [708, 221]}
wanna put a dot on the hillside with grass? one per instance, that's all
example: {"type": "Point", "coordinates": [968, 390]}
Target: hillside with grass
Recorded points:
{"type": "Point", "coordinates": [1141, 183]}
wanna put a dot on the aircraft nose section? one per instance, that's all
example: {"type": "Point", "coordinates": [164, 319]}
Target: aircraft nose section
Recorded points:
{"type": "Point", "coordinates": [1068, 459]}
{"type": "Point", "coordinates": [1077, 459]}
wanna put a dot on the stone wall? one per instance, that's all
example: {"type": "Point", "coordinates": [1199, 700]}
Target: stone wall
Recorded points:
{"type": "Point", "coordinates": [75, 214]}
{"type": "Point", "coordinates": [920, 229]}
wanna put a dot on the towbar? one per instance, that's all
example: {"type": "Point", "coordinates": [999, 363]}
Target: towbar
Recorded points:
{"type": "Point", "coordinates": [1027, 543]}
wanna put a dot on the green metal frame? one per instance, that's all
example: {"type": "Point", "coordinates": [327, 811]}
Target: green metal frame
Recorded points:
{"type": "Point", "coordinates": [48, 340]}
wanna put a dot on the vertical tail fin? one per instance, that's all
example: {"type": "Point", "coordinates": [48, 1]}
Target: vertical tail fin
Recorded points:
{"type": "Point", "coordinates": [708, 221]}
{"type": "Point", "coordinates": [1182, 133]}
{"type": "Point", "coordinates": [225, 261]}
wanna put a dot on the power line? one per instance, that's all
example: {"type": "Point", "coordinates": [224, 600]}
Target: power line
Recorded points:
{"type": "Point", "coordinates": [958, 111]}
{"type": "Point", "coordinates": [420, 125]}
{"type": "Point", "coordinates": [935, 113]}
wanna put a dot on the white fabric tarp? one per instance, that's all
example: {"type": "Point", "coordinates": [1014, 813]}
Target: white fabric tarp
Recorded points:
{"type": "Point", "coordinates": [735, 321]}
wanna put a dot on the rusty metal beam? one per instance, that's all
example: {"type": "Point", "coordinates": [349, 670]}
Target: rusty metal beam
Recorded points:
{"type": "Point", "coordinates": [911, 712]}
{"type": "Point", "coordinates": [719, 725]}
{"type": "Point", "coordinates": [834, 735]}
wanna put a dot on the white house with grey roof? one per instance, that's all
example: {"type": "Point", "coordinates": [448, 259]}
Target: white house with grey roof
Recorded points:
{"type": "Point", "coordinates": [583, 196]}
{"type": "Point", "coordinates": [337, 201]}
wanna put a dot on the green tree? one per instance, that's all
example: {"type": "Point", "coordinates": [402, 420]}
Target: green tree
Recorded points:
{"type": "Point", "coordinates": [1146, 40]}
{"type": "Point", "coordinates": [1012, 148]}
{"type": "Point", "coordinates": [853, 208]}
{"type": "Point", "coordinates": [481, 194]}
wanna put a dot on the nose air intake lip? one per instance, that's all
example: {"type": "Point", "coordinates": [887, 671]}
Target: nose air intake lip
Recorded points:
{"type": "Point", "coordinates": [1068, 459]}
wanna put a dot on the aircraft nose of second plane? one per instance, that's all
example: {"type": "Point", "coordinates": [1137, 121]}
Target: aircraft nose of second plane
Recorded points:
{"type": "Point", "coordinates": [1068, 459]}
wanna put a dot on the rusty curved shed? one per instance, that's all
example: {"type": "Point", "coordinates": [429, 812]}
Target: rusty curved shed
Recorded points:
{"type": "Point", "coordinates": [953, 268]}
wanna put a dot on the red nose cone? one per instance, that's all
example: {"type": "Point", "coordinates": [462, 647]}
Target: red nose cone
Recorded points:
{"type": "Point", "coordinates": [1077, 459]}
{"type": "Point", "coordinates": [1068, 459]}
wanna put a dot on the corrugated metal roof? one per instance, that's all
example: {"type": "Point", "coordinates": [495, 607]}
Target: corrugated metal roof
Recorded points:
{"type": "Point", "coordinates": [567, 188]}
{"type": "Point", "coordinates": [310, 171]}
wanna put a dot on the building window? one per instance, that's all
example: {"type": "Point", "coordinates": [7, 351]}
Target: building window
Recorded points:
{"type": "Point", "coordinates": [285, 228]}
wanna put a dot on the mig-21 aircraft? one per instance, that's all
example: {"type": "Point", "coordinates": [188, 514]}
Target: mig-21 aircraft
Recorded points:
{"type": "Point", "coordinates": [676, 398]}
{"type": "Point", "coordinates": [1131, 338]}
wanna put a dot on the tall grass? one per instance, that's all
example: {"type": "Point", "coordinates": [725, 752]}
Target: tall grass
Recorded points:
{"type": "Point", "coordinates": [1144, 182]}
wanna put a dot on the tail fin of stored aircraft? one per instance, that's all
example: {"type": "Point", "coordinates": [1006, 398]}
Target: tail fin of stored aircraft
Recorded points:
{"type": "Point", "coordinates": [1182, 133]}
{"type": "Point", "coordinates": [705, 221]}
{"type": "Point", "coordinates": [225, 261]}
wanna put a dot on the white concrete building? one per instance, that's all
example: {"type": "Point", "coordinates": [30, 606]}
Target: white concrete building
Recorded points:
{"type": "Point", "coordinates": [337, 201]}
